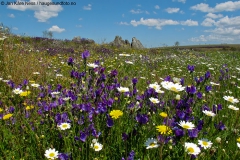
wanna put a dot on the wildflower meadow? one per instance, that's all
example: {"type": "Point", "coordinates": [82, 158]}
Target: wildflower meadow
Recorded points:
{"type": "Point", "coordinates": [61, 99]}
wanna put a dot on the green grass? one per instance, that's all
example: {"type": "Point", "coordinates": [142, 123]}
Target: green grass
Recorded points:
{"type": "Point", "coordinates": [29, 133]}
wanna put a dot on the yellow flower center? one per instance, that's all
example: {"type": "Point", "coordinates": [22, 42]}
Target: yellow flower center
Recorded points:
{"type": "Point", "coordinates": [185, 126]}
{"type": "Point", "coordinates": [52, 155]}
{"type": "Point", "coordinates": [96, 147]}
{"type": "Point", "coordinates": [174, 89]}
{"type": "Point", "coordinates": [190, 150]}
{"type": "Point", "coordinates": [64, 126]}
{"type": "Point", "coordinates": [152, 144]}
{"type": "Point", "coordinates": [154, 101]}
{"type": "Point", "coordinates": [205, 143]}
{"type": "Point", "coordinates": [209, 114]}
{"type": "Point", "coordinates": [230, 99]}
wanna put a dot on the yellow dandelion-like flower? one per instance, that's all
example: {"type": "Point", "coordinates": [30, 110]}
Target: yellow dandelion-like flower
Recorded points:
{"type": "Point", "coordinates": [7, 116]}
{"type": "Point", "coordinates": [238, 139]}
{"type": "Point", "coordinates": [29, 107]}
{"type": "Point", "coordinates": [164, 129]}
{"type": "Point", "coordinates": [163, 114]}
{"type": "Point", "coordinates": [115, 114]}
{"type": "Point", "coordinates": [25, 93]}
{"type": "Point", "coordinates": [1, 109]}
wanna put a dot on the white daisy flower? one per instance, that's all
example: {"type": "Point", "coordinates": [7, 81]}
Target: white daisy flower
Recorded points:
{"type": "Point", "coordinates": [59, 75]}
{"type": "Point", "coordinates": [123, 89]}
{"type": "Point", "coordinates": [231, 99]}
{"type": "Point", "coordinates": [35, 85]}
{"type": "Point", "coordinates": [51, 154]}
{"type": "Point", "coordinates": [154, 100]}
{"type": "Point", "coordinates": [92, 65]}
{"type": "Point", "coordinates": [192, 148]}
{"type": "Point", "coordinates": [214, 84]}
{"type": "Point", "coordinates": [66, 98]}
{"type": "Point", "coordinates": [36, 73]}
{"type": "Point", "coordinates": [233, 108]}
{"type": "Point", "coordinates": [97, 146]}
{"type": "Point", "coordinates": [159, 91]}
{"type": "Point", "coordinates": [209, 113]}
{"type": "Point", "coordinates": [205, 143]}
{"type": "Point", "coordinates": [155, 86]}
{"type": "Point", "coordinates": [129, 62]}
{"type": "Point", "coordinates": [172, 86]}
{"type": "Point", "coordinates": [151, 143]}
{"type": "Point", "coordinates": [17, 91]}
{"type": "Point", "coordinates": [124, 55]}
{"type": "Point", "coordinates": [64, 126]}
{"type": "Point", "coordinates": [186, 125]}
{"type": "Point", "coordinates": [55, 93]}
{"type": "Point", "coordinates": [238, 144]}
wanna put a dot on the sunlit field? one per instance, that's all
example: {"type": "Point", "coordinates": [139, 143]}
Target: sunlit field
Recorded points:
{"type": "Point", "coordinates": [80, 100]}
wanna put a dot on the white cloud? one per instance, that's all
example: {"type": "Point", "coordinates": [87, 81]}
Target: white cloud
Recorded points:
{"type": "Point", "coordinates": [80, 19]}
{"type": "Point", "coordinates": [182, 1]}
{"type": "Point", "coordinates": [214, 16]}
{"type": "Point", "coordinates": [15, 28]}
{"type": "Point", "coordinates": [225, 30]}
{"type": "Point", "coordinates": [226, 22]}
{"type": "Point", "coordinates": [88, 7]}
{"type": "Point", "coordinates": [212, 38]}
{"type": "Point", "coordinates": [43, 16]}
{"type": "Point", "coordinates": [138, 11]}
{"type": "Point", "coordinates": [172, 10]}
{"type": "Point", "coordinates": [182, 12]}
{"type": "Point", "coordinates": [208, 22]}
{"type": "Point", "coordinates": [225, 6]}
{"type": "Point", "coordinates": [157, 7]}
{"type": "Point", "coordinates": [41, 12]}
{"type": "Point", "coordinates": [157, 23]}
{"type": "Point", "coordinates": [230, 31]}
{"type": "Point", "coordinates": [56, 29]}
{"type": "Point", "coordinates": [189, 22]}
{"type": "Point", "coordinates": [11, 16]}
{"type": "Point", "coordinates": [123, 23]}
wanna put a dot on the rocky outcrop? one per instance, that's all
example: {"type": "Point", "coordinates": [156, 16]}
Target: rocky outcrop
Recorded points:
{"type": "Point", "coordinates": [78, 39]}
{"type": "Point", "coordinates": [136, 44]}
{"type": "Point", "coordinates": [119, 42]}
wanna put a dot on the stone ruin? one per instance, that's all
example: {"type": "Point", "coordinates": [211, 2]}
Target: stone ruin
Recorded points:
{"type": "Point", "coordinates": [119, 42]}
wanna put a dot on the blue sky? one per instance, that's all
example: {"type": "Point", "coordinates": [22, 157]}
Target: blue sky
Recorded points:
{"type": "Point", "coordinates": [154, 23]}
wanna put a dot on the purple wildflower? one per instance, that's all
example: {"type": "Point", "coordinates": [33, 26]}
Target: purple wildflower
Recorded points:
{"type": "Point", "coordinates": [85, 54]}
{"type": "Point", "coordinates": [142, 119]}
{"type": "Point", "coordinates": [190, 68]}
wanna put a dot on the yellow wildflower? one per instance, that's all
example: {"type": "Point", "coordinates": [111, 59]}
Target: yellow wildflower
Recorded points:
{"type": "Point", "coordinates": [7, 116]}
{"type": "Point", "coordinates": [163, 114]}
{"type": "Point", "coordinates": [115, 114]}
